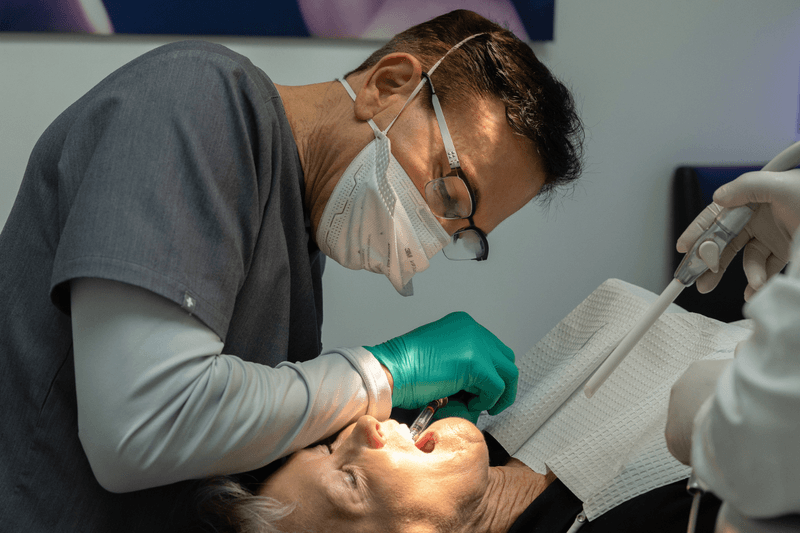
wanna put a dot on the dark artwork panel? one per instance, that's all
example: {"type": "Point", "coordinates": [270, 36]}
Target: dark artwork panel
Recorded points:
{"type": "Point", "coordinates": [531, 20]}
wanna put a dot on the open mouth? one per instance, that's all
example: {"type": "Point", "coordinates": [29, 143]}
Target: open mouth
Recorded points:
{"type": "Point", "coordinates": [426, 442]}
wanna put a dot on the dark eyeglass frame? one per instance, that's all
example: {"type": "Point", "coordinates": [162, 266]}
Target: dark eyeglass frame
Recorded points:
{"type": "Point", "coordinates": [455, 165]}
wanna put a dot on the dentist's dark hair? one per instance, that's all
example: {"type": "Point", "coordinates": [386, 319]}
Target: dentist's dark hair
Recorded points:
{"type": "Point", "coordinates": [498, 64]}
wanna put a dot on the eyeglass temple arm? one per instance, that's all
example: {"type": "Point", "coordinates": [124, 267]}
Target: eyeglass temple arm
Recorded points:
{"type": "Point", "coordinates": [449, 147]}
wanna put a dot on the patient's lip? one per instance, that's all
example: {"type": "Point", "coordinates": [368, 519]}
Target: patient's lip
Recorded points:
{"type": "Point", "coordinates": [427, 442]}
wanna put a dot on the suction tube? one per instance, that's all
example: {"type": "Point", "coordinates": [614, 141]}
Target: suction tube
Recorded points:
{"type": "Point", "coordinates": [728, 224]}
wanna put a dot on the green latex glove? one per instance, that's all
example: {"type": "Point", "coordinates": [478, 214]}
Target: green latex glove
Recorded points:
{"type": "Point", "coordinates": [457, 409]}
{"type": "Point", "coordinates": [453, 354]}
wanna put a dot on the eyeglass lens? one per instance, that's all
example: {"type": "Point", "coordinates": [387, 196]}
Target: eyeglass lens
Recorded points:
{"type": "Point", "coordinates": [466, 244]}
{"type": "Point", "coordinates": [448, 197]}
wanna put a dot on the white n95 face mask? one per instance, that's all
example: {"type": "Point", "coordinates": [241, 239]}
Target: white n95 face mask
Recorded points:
{"type": "Point", "coordinates": [377, 220]}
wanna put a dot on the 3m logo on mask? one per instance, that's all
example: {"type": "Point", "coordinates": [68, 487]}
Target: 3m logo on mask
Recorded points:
{"type": "Point", "coordinates": [410, 257]}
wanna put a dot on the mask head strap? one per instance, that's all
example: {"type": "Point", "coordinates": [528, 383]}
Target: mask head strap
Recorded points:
{"type": "Point", "coordinates": [353, 96]}
{"type": "Point", "coordinates": [417, 89]}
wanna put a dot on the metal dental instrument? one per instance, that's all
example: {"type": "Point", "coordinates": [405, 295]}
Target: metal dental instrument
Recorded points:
{"type": "Point", "coordinates": [728, 224]}
{"type": "Point", "coordinates": [425, 416]}
{"type": "Point", "coordinates": [695, 488]}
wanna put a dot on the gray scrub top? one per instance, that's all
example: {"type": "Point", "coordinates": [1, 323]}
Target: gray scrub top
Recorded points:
{"type": "Point", "coordinates": [178, 173]}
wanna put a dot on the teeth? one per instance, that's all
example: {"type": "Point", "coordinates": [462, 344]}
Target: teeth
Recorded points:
{"type": "Point", "coordinates": [404, 431]}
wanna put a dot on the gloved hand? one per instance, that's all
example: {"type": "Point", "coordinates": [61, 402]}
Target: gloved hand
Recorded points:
{"type": "Point", "coordinates": [457, 406]}
{"type": "Point", "coordinates": [766, 239]}
{"type": "Point", "coordinates": [444, 357]}
{"type": "Point", "coordinates": [458, 409]}
{"type": "Point", "coordinates": [685, 399]}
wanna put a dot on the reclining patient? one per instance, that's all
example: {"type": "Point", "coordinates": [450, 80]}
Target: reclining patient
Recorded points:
{"type": "Point", "coordinates": [372, 477]}
{"type": "Point", "coordinates": [549, 462]}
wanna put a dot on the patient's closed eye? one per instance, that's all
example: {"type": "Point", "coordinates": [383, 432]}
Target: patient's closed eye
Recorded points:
{"type": "Point", "coordinates": [352, 477]}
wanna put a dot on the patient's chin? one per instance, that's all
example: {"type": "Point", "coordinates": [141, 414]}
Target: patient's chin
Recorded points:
{"type": "Point", "coordinates": [454, 433]}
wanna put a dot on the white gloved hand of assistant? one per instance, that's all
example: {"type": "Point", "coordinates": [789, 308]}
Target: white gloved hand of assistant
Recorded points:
{"type": "Point", "coordinates": [686, 397]}
{"type": "Point", "coordinates": [766, 239]}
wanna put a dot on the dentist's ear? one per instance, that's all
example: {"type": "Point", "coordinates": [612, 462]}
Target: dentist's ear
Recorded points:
{"type": "Point", "coordinates": [387, 86]}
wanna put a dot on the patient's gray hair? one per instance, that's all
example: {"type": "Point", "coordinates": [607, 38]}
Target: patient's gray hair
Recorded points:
{"type": "Point", "coordinates": [228, 507]}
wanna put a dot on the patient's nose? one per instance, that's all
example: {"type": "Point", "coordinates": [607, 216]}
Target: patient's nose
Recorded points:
{"type": "Point", "coordinates": [367, 432]}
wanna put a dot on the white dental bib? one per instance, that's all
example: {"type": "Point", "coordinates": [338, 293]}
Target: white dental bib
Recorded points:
{"type": "Point", "coordinates": [611, 447]}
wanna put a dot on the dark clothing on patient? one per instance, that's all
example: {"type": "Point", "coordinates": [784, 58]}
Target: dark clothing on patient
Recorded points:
{"type": "Point", "coordinates": [665, 509]}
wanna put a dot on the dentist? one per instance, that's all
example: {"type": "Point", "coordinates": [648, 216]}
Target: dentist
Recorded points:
{"type": "Point", "coordinates": [161, 312]}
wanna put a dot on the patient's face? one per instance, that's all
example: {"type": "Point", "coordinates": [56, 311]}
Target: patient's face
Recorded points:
{"type": "Point", "coordinates": [373, 478]}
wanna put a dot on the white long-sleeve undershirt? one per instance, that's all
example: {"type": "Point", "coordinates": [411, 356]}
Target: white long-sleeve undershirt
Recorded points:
{"type": "Point", "coordinates": [158, 402]}
{"type": "Point", "coordinates": [746, 438]}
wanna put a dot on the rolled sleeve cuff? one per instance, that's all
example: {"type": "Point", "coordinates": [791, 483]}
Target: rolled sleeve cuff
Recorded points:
{"type": "Point", "coordinates": [378, 392]}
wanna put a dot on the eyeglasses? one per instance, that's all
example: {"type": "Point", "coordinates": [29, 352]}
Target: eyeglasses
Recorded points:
{"type": "Point", "coordinates": [451, 198]}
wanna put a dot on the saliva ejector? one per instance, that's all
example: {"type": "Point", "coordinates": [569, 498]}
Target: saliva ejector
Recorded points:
{"type": "Point", "coordinates": [727, 225]}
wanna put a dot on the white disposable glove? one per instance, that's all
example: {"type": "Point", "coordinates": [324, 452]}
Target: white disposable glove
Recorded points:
{"type": "Point", "coordinates": [685, 398]}
{"type": "Point", "coordinates": [766, 239]}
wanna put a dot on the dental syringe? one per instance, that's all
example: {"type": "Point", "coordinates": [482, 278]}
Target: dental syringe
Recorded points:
{"type": "Point", "coordinates": [425, 416]}
{"type": "Point", "coordinates": [726, 226]}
